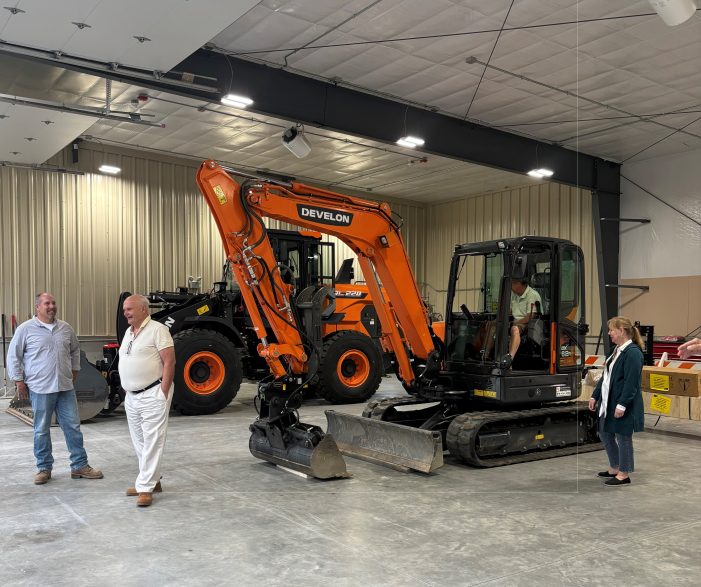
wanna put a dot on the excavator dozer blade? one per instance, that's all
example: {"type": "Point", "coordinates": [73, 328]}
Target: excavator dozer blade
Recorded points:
{"type": "Point", "coordinates": [322, 461]}
{"type": "Point", "coordinates": [385, 443]}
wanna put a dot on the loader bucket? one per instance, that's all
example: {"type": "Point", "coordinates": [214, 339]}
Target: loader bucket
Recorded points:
{"type": "Point", "coordinates": [21, 409]}
{"type": "Point", "coordinates": [385, 443]}
{"type": "Point", "coordinates": [300, 451]}
{"type": "Point", "coordinates": [91, 391]}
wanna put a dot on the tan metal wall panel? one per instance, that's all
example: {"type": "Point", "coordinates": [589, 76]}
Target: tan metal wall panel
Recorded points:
{"type": "Point", "coordinates": [544, 209]}
{"type": "Point", "coordinates": [88, 237]}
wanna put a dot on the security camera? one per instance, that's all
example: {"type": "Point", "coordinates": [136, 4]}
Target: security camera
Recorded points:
{"type": "Point", "coordinates": [293, 138]}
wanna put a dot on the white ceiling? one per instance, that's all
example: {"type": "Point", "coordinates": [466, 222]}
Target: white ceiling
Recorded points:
{"type": "Point", "coordinates": [610, 79]}
{"type": "Point", "coordinates": [156, 34]}
{"type": "Point", "coordinates": [37, 133]}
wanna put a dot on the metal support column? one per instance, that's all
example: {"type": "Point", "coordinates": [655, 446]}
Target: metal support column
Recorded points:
{"type": "Point", "coordinates": [606, 204]}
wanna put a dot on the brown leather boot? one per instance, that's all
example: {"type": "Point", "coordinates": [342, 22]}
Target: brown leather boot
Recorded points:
{"type": "Point", "coordinates": [144, 500]}
{"type": "Point", "coordinates": [132, 492]}
{"type": "Point", "coordinates": [42, 477]}
{"type": "Point", "coordinates": [87, 472]}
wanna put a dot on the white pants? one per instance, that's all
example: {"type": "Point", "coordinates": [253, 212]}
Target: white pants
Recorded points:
{"type": "Point", "coordinates": [147, 415]}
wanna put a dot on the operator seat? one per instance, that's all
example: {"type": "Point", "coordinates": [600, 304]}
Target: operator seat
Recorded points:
{"type": "Point", "coordinates": [540, 282]}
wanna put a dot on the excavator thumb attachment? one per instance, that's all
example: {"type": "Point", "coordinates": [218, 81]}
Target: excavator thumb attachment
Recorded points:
{"type": "Point", "coordinates": [297, 446]}
{"type": "Point", "coordinates": [385, 443]}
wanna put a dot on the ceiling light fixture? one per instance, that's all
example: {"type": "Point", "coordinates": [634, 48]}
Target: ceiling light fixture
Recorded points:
{"type": "Point", "coordinates": [236, 101]}
{"type": "Point", "coordinates": [294, 140]}
{"type": "Point", "coordinates": [111, 169]}
{"type": "Point", "coordinates": [674, 12]}
{"type": "Point", "coordinates": [410, 142]}
{"type": "Point", "coordinates": [541, 173]}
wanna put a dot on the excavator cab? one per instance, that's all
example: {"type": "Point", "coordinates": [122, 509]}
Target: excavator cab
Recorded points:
{"type": "Point", "coordinates": [480, 309]}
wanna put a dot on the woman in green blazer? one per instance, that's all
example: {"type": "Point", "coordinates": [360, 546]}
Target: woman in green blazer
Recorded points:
{"type": "Point", "coordinates": [620, 400]}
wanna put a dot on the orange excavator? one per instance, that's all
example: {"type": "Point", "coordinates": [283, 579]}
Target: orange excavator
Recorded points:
{"type": "Point", "coordinates": [465, 392]}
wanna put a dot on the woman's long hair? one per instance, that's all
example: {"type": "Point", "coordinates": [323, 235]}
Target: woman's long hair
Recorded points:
{"type": "Point", "coordinates": [628, 328]}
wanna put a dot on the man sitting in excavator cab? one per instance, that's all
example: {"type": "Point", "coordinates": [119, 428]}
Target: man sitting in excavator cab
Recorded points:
{"type": "Point", "coordinates": [525, 305]}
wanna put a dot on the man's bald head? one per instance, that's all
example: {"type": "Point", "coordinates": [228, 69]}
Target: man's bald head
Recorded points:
{"type": "Point", "coordinates": [135, 310]}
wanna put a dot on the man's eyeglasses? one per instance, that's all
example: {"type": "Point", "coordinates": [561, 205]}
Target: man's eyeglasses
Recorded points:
{"type": "Point", "coordinates": [131, 342]}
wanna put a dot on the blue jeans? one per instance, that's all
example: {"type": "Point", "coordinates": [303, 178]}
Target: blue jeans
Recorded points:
{"type": "Point", "coordinates": [619, 448]}
{"type": "Point", "coordinates": [65, 405]}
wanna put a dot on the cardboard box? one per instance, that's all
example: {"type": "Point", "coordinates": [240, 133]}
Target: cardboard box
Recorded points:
{"type": "Point", "coordinates": [672, 406]}
{"type": "Point", "coordinates": [671, 381]}
{"type": "Point", "coordinates": [587, 390]}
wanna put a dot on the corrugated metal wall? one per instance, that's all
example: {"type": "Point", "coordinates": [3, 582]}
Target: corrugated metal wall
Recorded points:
{"type": "Point", "coordinates": [544, 209]}
{"type": "Point", "coordinates": [86, 238]}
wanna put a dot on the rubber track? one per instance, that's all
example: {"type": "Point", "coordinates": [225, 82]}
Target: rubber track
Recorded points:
{"type": "Point", "coordinates": [462, 445]}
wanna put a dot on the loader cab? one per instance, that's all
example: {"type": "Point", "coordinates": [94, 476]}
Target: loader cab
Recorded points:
{"type": "Point", "coordinates": [304, 259]}
{"type": "Point", "coordinates": [479, 307]}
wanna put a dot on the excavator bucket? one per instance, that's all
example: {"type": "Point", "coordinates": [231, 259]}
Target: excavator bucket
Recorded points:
{"type": "Point", "coordinates": [301, 447]}
{"type": "Point", "coordinates": [385, 443]}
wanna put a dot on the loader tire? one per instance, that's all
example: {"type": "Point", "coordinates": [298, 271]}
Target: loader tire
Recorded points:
{"type": "Point", "coordinates": [208, 372]}
{"type": "Point", "coordinates": [350, 368]}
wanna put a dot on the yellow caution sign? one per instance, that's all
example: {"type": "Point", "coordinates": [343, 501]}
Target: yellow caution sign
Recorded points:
{"type": "Point", "coordinates": [202, 309]}
{"type": "Point", "coordinates": [661, 403]}
{"type": "Point", "coordinates": [485, 393]}
{"type": "Point", "coordinates": [221, 196]}
{"type": "Point", "coordinates": [659, 382]}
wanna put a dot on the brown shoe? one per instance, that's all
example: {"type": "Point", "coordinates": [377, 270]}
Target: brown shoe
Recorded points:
{"type": "Point", "coordinates": [132, 492]}
{"type": "Point", "coordinates": [42, 477]}
{"type": "Point", "coordinates": [87, 472]}
{"type": "Point", "coordinates": [144, 500]}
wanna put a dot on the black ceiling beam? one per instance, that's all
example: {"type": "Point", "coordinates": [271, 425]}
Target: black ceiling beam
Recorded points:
{"type": "Point", "coordinates": [324, 104]}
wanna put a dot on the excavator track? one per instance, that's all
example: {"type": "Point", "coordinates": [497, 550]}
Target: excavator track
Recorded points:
{"type": "Point", "coordinates": [467, 430]}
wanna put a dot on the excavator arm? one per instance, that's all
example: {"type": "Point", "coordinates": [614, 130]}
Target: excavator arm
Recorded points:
{"type": "Point", "coordinates": [369, 229]}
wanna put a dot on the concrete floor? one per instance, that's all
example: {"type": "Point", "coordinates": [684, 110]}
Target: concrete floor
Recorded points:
{"type": "Point", "coordinates": [225, 518]}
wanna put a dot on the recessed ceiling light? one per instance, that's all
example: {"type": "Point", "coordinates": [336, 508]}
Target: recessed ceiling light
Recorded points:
{"type": "Point", "coordinates": [236, 101]}
{"type": "Point", "coordinates": [111, 169]}
{"type": "Point", "coordinates": [410, 142]}
{"type": "Point", "coordinates": [540, 173]}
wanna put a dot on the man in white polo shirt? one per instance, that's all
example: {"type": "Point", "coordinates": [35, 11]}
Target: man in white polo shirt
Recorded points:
{"type": "Point", "coordinates": [146, 368]}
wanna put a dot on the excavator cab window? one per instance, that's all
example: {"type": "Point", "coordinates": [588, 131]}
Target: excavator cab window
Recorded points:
{"type": "Point", "coordinates": [474, 305]}
{"type": "Point", "coordinates": [570, 308]}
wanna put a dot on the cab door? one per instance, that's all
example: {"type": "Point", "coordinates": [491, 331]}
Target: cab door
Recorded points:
{"type": "Point", "coordinates": [567, 347]}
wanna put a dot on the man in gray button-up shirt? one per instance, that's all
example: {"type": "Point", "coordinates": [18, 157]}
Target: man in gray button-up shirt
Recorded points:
{"type": "Point", "coordinates": [44, 360]}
